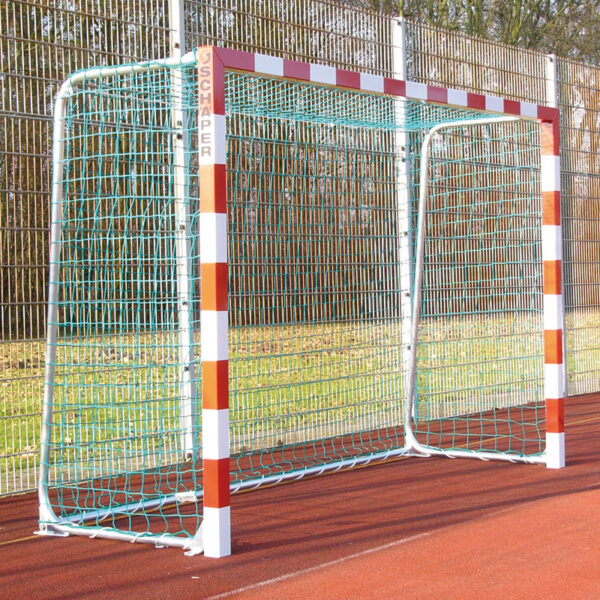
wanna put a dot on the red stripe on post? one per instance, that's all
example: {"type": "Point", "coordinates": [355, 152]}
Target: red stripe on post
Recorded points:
{"type": "Point", "coordinates": [512, 107]}
{"type": "Point", "coordinates": [348, 79]}
{"type": "Point", "coordinates": [213, 189]}
{"type": "Point", "coordinates": [550, 133]}
{"type": "Point", "coordinates": [553, 347]}
{"type": "Point", "coordinates": [547, 113]}
{"type": "Point", "coordinates": [437, 94]}
{"type": "Point", "coordinates": [555, 415]}
{"type": "Point", "coordinates": [237, 59]}
{"type": "Point", "coordinates": [211, 83]}
{"type": "Point", "coordinates": [475, 100]}
{"type": "Point", "coordinates": [216, 483]}
{"type": "Point", "coordinates": [215, 384]}
{"type": "Point", "coordinates": [552, 277]}
{"type": "Point", "coordinates": [550, 208]}
{"type": "Point", "coordinates": [296, 70]}
{"type": "Point", "coordinates": [394, 87]}
{"type": "Point", "coordinates": [214, 286]}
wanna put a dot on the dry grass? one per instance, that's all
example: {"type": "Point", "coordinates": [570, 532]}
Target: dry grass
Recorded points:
{"type": "Point", "coordinates": [288, 383]}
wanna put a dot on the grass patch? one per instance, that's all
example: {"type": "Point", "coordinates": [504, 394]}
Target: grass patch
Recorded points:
{"type": "Point", "coordinates": [288, 385]}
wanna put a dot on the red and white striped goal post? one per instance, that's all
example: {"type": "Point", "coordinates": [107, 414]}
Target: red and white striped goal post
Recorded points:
{"type": "Point", "coordinates": [212, 64]}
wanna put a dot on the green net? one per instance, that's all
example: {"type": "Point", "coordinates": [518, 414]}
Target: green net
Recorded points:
{"type": "Point", "coordinates": [481, 348]}
{"type": "Point", "coordinates": [316, 178]}
{"type": "Point", "coordinates": [116, 429]}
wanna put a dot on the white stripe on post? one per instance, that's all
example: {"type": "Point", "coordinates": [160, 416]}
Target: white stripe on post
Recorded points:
{"type": "Point", "coordinates": [551, 242]}
{"type": "Point", "coordinates": [213, 237]}
{"type": "Point", "coordinates": [417, 91]}
{"type": "Point", "coordinates": [323, 74]}
{"type": "Point", "coordinates": [211, 139]}
{"type": "Point", "coordinates": [555, 450]}
{"type": "Point", "coordinates": [213, 340]}
{"type": "Point", "coordinates": [529, 110]}
{"type": "Point", "coordinates": [458, 97]}
{"type": "Point", "coordinates": [216, 531]}
{"type": "Point", "coordinates": [553, 312]}
{"type": "Point", "coordinates": [371, 83]}
{"type": "Point", "coordinates": [268, 65]}
{"type": "Point", "coordinates": [215, 433]}
{"type": "Point", "coordinates": [550, 173]}
{"type": "Point", "coordinates": [553, 381]}
{"type": "Point", "coordinates": [494, 104]}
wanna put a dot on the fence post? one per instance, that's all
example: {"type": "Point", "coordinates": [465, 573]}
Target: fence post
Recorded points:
{"type": "Point", "coordinates": [403, 197]}
{"type": "Point", "coordinates": [176, 28]}
{"type": "Point", "coordinates": [185, 330]}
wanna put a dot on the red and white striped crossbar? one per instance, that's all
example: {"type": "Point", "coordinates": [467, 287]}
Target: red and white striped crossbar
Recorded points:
{"type": "Point", "coordinates": [212, 63]}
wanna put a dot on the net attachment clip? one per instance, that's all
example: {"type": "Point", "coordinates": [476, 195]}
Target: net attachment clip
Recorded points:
{"type": "Point", "coordinates": [185, 497]}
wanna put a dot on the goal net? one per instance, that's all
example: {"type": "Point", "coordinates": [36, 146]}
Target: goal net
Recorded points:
{"type": "Point", "coordinates": [262, 269]}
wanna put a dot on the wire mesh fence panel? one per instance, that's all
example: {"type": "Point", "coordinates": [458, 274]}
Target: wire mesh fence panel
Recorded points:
{"type": "Point", "coordinates": [451, 59]}
{"type": "Point", "coordinates": [317, 32]}
{"type": "Point", "coordinates": [580, 134]}
{"type": "Point", "coordinates": [41, 42]}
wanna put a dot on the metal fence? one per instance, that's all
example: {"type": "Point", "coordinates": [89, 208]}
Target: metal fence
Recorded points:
{"type": "Point", "coordinates": [41, 41]}
{"type": "Point", "coordinates": [453, 60]}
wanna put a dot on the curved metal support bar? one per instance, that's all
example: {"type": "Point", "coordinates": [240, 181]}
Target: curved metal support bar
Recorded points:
{"type": "Point", "coordinates": [187, 59]}
{"type": "Point", "coordinates": [318, 470]}
{"type": "Point", "coordinates": [409, 436]}
{"type": "Point", "coordinates": [192, 545]}
{"type": "Point", "coordinates": [49, 521]}
{"type": "Point", "coordinates": [419, 449]}
{"type": "Point", "coordinates": [46, 514]}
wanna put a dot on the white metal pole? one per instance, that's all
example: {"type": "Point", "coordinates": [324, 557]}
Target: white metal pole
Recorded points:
{"type": "Point", "coordinates": [176, 28]}
{"type": "Point", "coordinates": [46, 514]}
{"type": "Point", "coordinates": [403, 197]}
{"type": "Point", "coordinates": [187, 414]}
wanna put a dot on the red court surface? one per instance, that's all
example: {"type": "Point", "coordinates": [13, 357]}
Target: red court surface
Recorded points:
{"type": "Point", "coordinates": [411, 528]}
